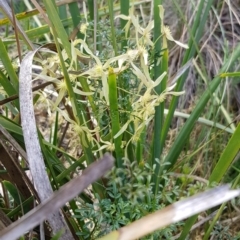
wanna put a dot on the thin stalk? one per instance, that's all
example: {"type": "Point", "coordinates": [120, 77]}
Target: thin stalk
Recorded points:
{"type": "Point", "coordinates": [123, 82]}
{"type": "Point", "coordinates": [86, 88]}
{"type": "Point", "coordinates": [187, 227]}
{"type": "Point", "coordinates": [54, 138]}
{"type": "Point", "coordinates": [113, 34]}
{"type": "Point", "coordinates": [158, 146]}
{"type": "Point", "coordinates": [131, 152]}
{"type": "Point", "coordinates": [60, 32]}
{"type": "Point", "coordinates": [66, 173]}
{"type": "Point", "coordinates": [140, 146]}
{"type": "Point", "coordinates": [113, 102]}
{"type": "Point", "coordinates": [158, 118]}
{"type": "Point", "coordinates": [76, 110]}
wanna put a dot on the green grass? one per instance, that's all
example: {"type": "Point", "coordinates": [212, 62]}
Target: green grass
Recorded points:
{"type": "Point", "coordinates": [111, 92]}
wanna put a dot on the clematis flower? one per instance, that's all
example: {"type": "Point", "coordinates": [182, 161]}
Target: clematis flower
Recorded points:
{"type": "Point", "coordinates": [62, 87]}
{"type": "Point", "coordinates": [143, 108]}
{"type": "Point", "coordinates": [100, 70]}
{"type": "Point", "coordinates": [145, 32]}
{"type": "Point", "coordinates": [133, 54]}
{"type": "Point", "coordinates": [83, 131]}
{"type": "Point", "coordinates": [109, 146]}
{"type": "Point", "coordinates": [142, 42]}
{"type": "Point", "coordinates": [166, 32]}
{"type": "Point", "coordinates": [84, 26]}
{"type": "Point", "coordinates": [129, 19]}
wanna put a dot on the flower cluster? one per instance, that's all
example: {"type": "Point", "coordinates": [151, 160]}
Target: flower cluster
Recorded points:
{"type": "Point", "coordinates": [136, 60]}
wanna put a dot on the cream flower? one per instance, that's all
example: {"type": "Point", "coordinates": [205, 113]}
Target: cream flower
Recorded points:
{"type": "Point", "coordinates": [100, 70]}
{"type": "Point", "coordinates": [129, 19]}
{"type": "Point", "coordinates": [145, 32]}
{"type": "Point", "coordinates": [84, 26]}
{"type": "Point", "coordinates": [166, 32]}
{"type": "Point", "coordinates": [143, 108]}
{"type": "Point", "coordinates": [83, 131]}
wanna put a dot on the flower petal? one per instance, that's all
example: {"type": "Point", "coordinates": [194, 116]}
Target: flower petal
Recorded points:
{"type": "Point", "coordinates": [122, 130]}
{"type": "Point", "coordinates": [78, 91]}
{"type": "Point", "coordinates": [181, 44]}
{"type": "Point", "coordinates": [140, 75]}
{"type": "Point", "coordinates": [159, 79]}
{"type": "Point", "coordinates": [124, 17]}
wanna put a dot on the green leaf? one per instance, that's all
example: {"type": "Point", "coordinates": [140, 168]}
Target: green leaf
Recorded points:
{"type": "Point", "coordinates": [10, 125]}
{"type": "Point", "coordinates": [57, 24]}
{"type": "Point", "coordinates": [24, 205]}
{"type": "Point", "coordinates": [114, 113]}
{"type": "Point", "coordinates": [13, 191]}
{"type": "Point", "coordinates": [8, 66]}
{"type": "Point", "coordinates": [227, 157]}
{"type": "Point", "coordinates": [183, 135]}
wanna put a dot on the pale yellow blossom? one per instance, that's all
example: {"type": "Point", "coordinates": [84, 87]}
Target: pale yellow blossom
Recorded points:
{"type": "Point", "coordinates": [145, 32]}
{"type": "Point", "coordinates": [129, 19]}
{"type": "Point", "coordinates": [84, 26]}
{"type": "Point", "coordinates": [100, 70]}
{"type": "Point", "coordinates": [166, 32]}
{"type": "Point", "coordinates": [143, 108]}
{"type": "Point", "coordinates": [85, 134]}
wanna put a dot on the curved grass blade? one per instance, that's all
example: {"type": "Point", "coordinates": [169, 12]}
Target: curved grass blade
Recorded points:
{"type": "Point", "coordinates": [188, 126]}
{"type": "Point", "coordinates": [227, 157]}
{"type": "Point", "coordinates": [35, 158]}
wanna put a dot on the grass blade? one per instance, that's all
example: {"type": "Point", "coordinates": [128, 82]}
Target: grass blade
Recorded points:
{"type": "Point", "coordinates": [57, 24]}
{"type": "Point", "coordinates": [227, 157]}
{"type": "Point", "coordinates": [113, 102]}
{"type": "Point", "coordinates": [188, 126]}
{"type": "Point", "coordinates": [158, 117]}
{"type": "Point", "coordinates": [9, 67]}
